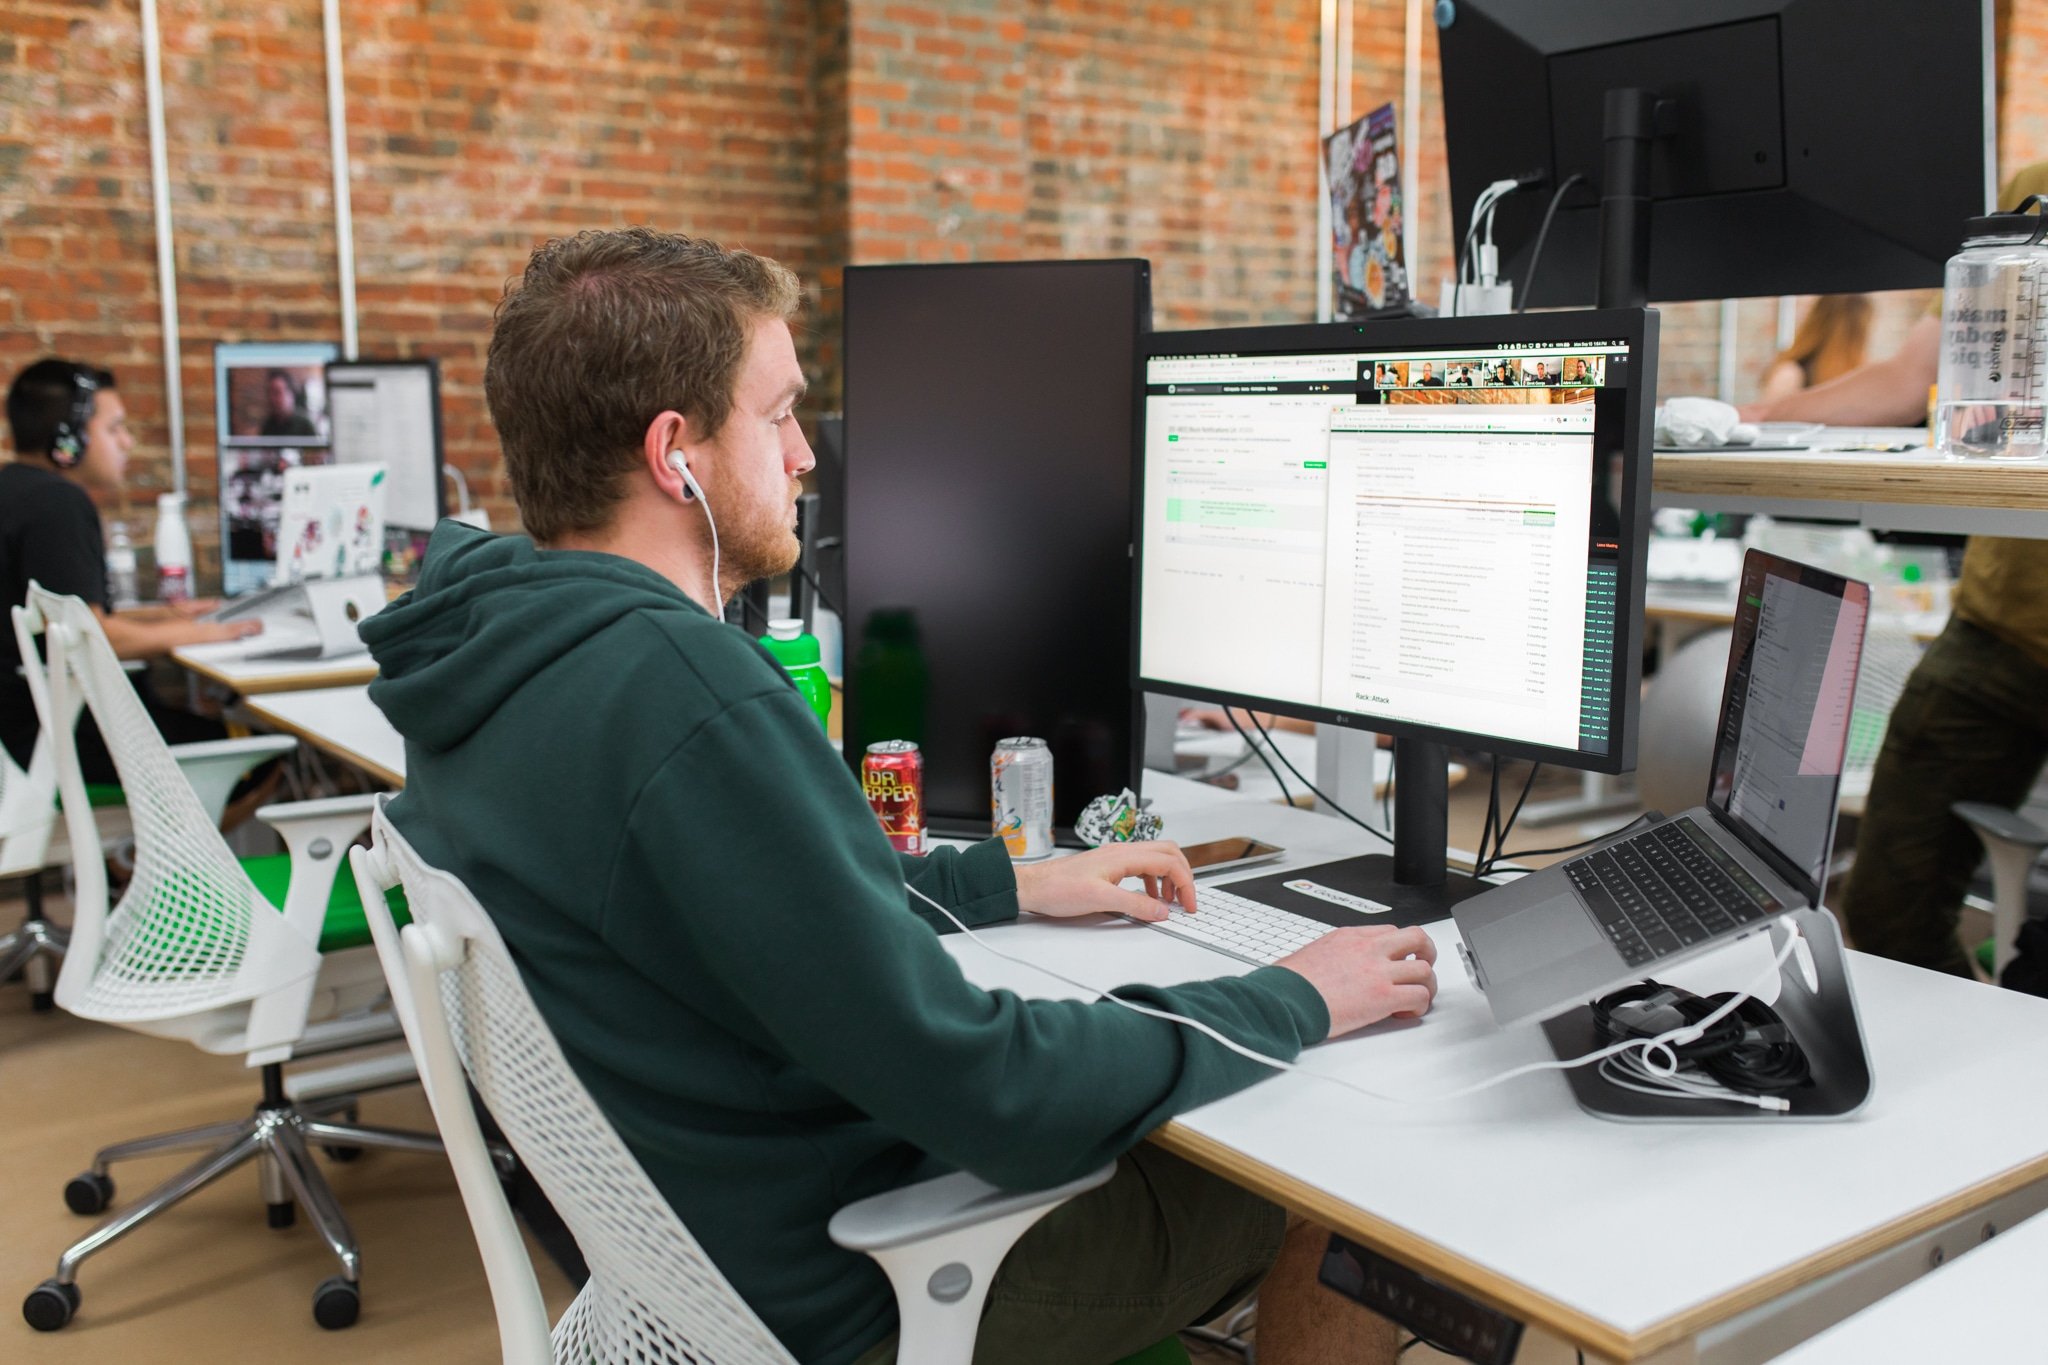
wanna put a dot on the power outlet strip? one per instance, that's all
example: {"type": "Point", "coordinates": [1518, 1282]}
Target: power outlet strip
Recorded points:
{"type": "Point", "coordinates": [1440, 1315]}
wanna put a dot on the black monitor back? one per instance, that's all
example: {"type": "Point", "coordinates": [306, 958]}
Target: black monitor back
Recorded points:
{"type": "Point", "coordinates": [1820, 146]}
{"type": "Point", "coordinates": [989, 420]}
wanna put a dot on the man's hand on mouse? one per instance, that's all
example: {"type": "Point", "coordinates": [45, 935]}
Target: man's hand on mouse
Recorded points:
{"type": "Point", "coordinates": [1090, 883]}
{"type": "Point", "coordinates": [1369, 973]}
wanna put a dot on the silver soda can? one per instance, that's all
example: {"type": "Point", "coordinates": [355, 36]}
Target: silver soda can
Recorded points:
{"type": "Point", "coordinates": [1020, 786]}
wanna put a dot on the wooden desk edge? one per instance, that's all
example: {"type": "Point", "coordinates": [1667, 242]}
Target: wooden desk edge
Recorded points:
{"type": "Point", "coordinates": [1516, 1300]}
{"type": "Point", "coordinates": [277, 682]}
{"type": "Point", "coordinates": [326, 744]}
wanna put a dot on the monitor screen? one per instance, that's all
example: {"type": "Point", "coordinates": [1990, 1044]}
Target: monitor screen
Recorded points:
{"type": "Point", "coordinates": [1785, 720]}
{"type": "Point", "coordinates": [271, 411]}
{"type": "Point", "coordinates": [1425, 528]}
{"type": "Point", "coordinates": [388, 412]}
{"type": "Point", "coordinates": [987, 454]}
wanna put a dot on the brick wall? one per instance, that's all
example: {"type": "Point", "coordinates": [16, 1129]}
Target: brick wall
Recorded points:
{"type": "Point", "coordinates": [821, 131]}
{"type": "Point", "coordinates": [476, 131]}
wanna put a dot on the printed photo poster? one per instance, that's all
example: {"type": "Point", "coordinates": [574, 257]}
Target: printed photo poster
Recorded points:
{"type": "Point", "coordinates": [332, 525]}
{"type": "Point", "coordinates": [1368, 255]}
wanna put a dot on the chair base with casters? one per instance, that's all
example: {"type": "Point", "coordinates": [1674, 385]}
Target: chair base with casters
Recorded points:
{"type": "Point", "coordinates": [279, 1136]}
{"type": "Point", "coordinates": [36, 949]}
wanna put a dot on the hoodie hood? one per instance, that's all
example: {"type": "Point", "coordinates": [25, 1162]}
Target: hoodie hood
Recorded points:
{"type": "Point", "coordinates": [488, 614]}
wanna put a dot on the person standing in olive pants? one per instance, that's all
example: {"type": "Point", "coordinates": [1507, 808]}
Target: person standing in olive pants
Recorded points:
{"type": "Point", "coordinates": [1971, 725]}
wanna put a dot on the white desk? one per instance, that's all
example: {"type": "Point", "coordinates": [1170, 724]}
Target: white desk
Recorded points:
{"type": "Point", "coordinates": [228, 664]}
{"type": "Point", "coordinates": [1911, 490]}
{"type": "Point", "coordinates": [1674, 1242]}
{"type": "Point", "coordinates": [341, 721]}
{"type": "Point", "coordinates": [1983, 1306]}
{"type": "Point", "coordinates": [1678, 1243]}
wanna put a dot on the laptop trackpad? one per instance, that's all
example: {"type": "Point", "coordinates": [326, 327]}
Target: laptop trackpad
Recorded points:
{"type": "Point", "coordinates": [1549, 931]}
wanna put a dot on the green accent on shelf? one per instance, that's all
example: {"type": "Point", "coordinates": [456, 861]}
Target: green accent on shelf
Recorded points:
{"type": "Point", "coordinates": [346, 926]}
{"type": "Point", "coordinates": [1987, 957]}
{"type": "Point", "coordinates": [99, 796]}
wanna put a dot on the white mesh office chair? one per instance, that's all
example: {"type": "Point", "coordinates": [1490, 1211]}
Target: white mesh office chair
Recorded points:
{"type": "Point", "coordinates": [653, 1295]}
{"type": "Point", "coordinates": [198, 950]}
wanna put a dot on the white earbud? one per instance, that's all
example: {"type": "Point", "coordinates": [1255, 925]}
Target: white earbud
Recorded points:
{"type": "Point", "coordinates": [691, 488]}
{"type": "Point", "coordinates": [694, 492]}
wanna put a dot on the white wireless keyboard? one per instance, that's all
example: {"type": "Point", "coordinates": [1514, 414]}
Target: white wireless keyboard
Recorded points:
{"type": "Point", "coordinates": [1245, 929]}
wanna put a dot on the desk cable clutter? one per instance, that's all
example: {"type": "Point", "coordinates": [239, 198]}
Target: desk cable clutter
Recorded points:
{"type": "Point", "coordinates": [1658, 1054]}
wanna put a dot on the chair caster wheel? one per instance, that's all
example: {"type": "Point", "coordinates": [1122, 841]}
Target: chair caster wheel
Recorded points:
{"type": "Point", "coordinates": [342, 1153]}
{"type": "Point", "coordinates": [50, 1305]}
{"type": "Point", "coordinates": [42, 1002]}
{"type": "Point", "coordinates": [89, 1193]}
{"type": "Point", "coordinates": [336, 1303]}
{"type": "Point", "coordinates": [280, 1215]}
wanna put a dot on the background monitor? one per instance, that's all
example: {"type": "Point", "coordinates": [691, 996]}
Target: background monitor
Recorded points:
{"type": "Point", "coordinates": [988, 429]}
{"type": "Point", "coordinates": [1815, 146]}
{"type": "Point", "coordinates": [1429, 529]}
{"type": "Point", "coordinates": [388, 412]}
{"type": "Point", "coordinates": [271, 412]}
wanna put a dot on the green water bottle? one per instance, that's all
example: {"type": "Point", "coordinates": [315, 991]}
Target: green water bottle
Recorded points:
{"type": "Point", "coordinates": [798, 653]}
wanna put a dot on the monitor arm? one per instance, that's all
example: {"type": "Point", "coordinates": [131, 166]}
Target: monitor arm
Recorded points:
{"type": "Point", "coordinates": [1634, 120]}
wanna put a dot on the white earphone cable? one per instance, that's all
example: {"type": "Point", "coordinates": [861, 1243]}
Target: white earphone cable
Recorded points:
{"type": "Point", "coordinates": [1681, 1035]}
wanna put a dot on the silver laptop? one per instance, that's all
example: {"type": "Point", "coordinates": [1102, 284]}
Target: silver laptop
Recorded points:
{"type": "Point", "coordinates": [1556, 938]}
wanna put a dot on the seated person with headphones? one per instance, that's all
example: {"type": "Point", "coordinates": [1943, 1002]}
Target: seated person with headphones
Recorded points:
{"type": "Point", "coordinates": [71, 444]}
{"type": "Point", "coordinates": [739, 967]}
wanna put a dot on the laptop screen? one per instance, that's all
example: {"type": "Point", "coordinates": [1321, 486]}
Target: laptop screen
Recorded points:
{"type": "Point", "coordinates": [1785, 715]}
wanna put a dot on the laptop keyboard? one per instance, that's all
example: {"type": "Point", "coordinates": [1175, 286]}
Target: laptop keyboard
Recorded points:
{"type": "Point", "coordinates": [1666, 889]}
{"type": "Point", "coordinates": [1246, 929]}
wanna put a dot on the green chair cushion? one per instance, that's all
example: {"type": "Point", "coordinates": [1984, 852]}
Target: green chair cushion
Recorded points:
{"type": "Point", "coordinates": [346, 926]}
{"type": "Point", "coordinates": [1987, 956]}
{"type": "Point", "coordinates": [100, 795]}
{"type": "Point", "coordinates": [1167, 1352]}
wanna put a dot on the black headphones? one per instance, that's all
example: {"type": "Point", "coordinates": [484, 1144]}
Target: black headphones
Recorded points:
{"type": "Point", "coordinates": [67, 443]}
{"type": "Point", "coordinates": [1750, 1049]}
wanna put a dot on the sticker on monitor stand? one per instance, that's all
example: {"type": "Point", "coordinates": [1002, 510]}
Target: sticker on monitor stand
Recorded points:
{"type": "Point", "coordinates": [1324, 893]}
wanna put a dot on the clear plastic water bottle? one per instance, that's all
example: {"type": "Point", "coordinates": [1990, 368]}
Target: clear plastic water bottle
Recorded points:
{"type": "Point", "coordinates": [1993, 390]}
{"type": "Point", "coordinates": [121, 585]}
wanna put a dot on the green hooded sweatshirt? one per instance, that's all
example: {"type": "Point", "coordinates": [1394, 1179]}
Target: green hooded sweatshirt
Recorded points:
{"type": "Point", "coordinates": [713, 924]}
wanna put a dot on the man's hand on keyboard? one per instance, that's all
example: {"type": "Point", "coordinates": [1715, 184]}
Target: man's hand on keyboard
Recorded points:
{"type": "Point", "coordinates": [1087, 883]}
{"type": "Point", "coordinates": [1369, 973]}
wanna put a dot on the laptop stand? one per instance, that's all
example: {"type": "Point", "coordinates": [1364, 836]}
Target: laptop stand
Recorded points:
{"type": "Point", "coordinates": [1824, 1023]}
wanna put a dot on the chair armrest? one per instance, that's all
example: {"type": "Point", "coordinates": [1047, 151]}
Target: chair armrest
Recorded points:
{"type": "Point", "coordinates": [214, 766]}
{"type": "Point", "coordinates": [283, 813]}
{"type": "Point", "coordinates": [1996, 822]}
{"type": "Point", "coordinates": [316, 834]}
{"type": "Point", "coordinates": [947, 1203]}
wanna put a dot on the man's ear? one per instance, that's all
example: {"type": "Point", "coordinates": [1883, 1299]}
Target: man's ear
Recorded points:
{"type": "Point", "coordinates": [668, 432]}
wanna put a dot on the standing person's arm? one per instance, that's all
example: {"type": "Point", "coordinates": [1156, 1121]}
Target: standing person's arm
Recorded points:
{"type": "Point", "coordinates": [1886, 393]}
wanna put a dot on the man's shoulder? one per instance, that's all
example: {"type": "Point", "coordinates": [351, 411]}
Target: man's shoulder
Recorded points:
{"type": "Point", "coordinates": [26, 489]}
{"type": "Point", "coordinates": [724, 660]}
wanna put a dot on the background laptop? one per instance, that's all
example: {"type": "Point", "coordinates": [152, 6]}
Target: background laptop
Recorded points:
{"type": "Point", "coordinates": [1759, 846]}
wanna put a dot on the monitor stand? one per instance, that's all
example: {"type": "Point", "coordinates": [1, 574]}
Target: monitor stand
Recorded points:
{"type": "Point", "coordinates": [1824, 1022]}
{"type": "Point", "coordinates": [1413, 881]}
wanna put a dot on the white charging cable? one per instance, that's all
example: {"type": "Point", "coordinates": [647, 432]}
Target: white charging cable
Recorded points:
{"type": "Point", "coordinates": [682, 468]}
{"type": "Point", "coordinates": [1662, 1042]}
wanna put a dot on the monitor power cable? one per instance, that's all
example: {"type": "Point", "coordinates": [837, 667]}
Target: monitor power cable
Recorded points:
{"type": "Point", "coordinates": [1379, 834]}
{"type": "Point", "coordinates": [1542, 235]}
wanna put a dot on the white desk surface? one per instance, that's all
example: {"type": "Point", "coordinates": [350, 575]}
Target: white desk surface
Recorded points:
{"type": "Point", "coordinates": [1623, 1238]}
{"type": "Point", "coordinates": [341, 721]}
{"type": "Point", "coordinates": [1984, 1305]}
{"type": "Point", "coordinates": [227, 664]}
{"type": "Point", "coordinates": [1910, 490]}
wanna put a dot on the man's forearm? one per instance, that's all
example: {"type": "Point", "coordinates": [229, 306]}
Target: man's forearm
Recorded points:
{"type": "Point", "coordinates": [151, 638]}
{"type": "Point", "coordinates": [1888, 393]}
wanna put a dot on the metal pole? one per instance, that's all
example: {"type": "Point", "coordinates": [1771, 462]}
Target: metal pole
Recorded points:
{"type": "Point", "coordinates": [337, 136]}
{"type": "Point", "coordinates": [166, 261]}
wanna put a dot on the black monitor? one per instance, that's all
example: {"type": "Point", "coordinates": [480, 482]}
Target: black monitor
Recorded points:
{"type": "Point", "coordinates": [989, 414]}
{"type": "Point", "coordinates": [1791, 146]}
{"type": "Point", "coordinates": [1431, 529]}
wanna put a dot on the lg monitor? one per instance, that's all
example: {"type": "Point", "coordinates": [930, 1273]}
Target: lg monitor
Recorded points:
{"type": "Point", "coordinates": [1783, 146]}
{"type": "Point", "coordinates": [989, 417]}
{"type": "Point", "coordinates": [1430, 529]}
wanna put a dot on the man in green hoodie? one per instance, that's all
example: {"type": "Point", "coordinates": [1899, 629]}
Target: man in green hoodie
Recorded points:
{"type": "Point", "coordinates": [700, 899]}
